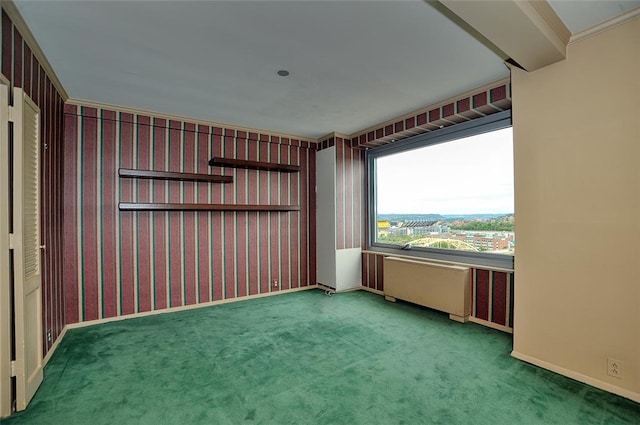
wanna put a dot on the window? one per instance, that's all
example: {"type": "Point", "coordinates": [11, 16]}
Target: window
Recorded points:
{"type": "Point", "coordinates": [447, 194]}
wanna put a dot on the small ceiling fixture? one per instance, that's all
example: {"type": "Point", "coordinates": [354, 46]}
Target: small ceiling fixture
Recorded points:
{"type": "Point", "coordinates": [283, 73]}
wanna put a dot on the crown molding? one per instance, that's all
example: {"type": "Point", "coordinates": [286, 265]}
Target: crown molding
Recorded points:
{"type": "Point", "coordinates": [333, 134]}
{"type": "Point", "coordinates": [605, 26]}
{"type": "Point", "coordinates": [155, 114]}
{"type": "Point", "coordinates": [15, 16]}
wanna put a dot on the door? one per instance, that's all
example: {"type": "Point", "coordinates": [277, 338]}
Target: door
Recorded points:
{"type": "Point", "coordinates": [25, 242]}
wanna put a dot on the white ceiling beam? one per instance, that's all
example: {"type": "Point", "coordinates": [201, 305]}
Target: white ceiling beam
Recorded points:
{"type": "Point", "coordinates": [527, 31]}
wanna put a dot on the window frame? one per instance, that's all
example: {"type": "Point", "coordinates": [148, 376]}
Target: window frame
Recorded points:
{"type": "Point", "coordinates": [476, 126]}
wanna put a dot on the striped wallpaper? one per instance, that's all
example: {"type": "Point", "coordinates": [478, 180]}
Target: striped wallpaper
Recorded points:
{"type": "Point", "coordinates": [373, 271]}
{"type": "Point", "coordinates": [485, 101]}
{"type": "Point", "coordinates": [492, 297]}
{"type": "Point", "coordinates": [350, 192]}
{"type": "Point", "coordinates": [21, 67]}
{"type": "Point", "coordinates": [491, 291]}
{"type": "Point", "coordinates": [125, 262]}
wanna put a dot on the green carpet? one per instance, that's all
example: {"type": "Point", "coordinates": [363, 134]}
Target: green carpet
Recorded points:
{"type": "Point", "coordinates": [305, 358]}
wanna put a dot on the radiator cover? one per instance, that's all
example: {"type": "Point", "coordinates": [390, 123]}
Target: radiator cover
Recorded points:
{"type": "Point", "coordinates": [439, 286]}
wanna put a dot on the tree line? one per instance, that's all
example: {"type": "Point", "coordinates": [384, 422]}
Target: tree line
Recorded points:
{"type": "Point", "coordinates": [495, 226]}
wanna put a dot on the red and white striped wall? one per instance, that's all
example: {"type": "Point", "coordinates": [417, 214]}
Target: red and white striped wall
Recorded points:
{"type": "Point", "coordinates": [373, 271]}
{"type": "Point", "coordinates": [127, 262]}
{"type": "Point", "coordinates": [491, 291]}
{"type": "Point", "coordinates": [492, 297]}
{"type": "Point", "coordinates": [21, 68]}
{"type": "Point", "coordinates": [484, 101]}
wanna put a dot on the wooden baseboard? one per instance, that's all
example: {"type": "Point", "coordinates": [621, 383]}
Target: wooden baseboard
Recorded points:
{"type": "Point", "coordinates": [492, 325]}
{"type": "Point", "coordinates": [54, 346]}
{"type": "Point", "coordinates": [186, 307]}
{"type": "Point", "coordinates": [374, 291]}
{"type": "Point", "coordinates": [622, 392]}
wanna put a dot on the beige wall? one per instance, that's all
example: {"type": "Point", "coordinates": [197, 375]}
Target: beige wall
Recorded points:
{"type": "Point", "coordinates": [577, 184]}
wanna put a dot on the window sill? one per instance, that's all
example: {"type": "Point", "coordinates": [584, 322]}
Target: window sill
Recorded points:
{"type": "Point", "coordinates": [396, 253]}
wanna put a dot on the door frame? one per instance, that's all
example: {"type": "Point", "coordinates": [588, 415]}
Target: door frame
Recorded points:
{"type": "Point", "coordinates": [6, 388]}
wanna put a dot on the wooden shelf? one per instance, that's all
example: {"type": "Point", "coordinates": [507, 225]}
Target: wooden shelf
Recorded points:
{"type": "Point", "coordinates": [134, 206]}
{"type": "Point", "coordinates": [168, 175]}
{"type": "Point", "coordinates": [254, 165]}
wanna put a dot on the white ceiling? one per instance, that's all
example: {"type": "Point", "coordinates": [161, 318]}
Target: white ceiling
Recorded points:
{"type": "Point", "coordinates": [579, 15]}
{"type": "Point", "coordinates": [353, 64]}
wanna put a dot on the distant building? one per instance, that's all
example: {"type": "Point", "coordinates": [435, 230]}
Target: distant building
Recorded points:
{"type": "Point", "coordinates": [480, 240]}
{"type": "Point", "coordinates": [418, 223]}
{"type": "Point", "coordinates": [423, 227]}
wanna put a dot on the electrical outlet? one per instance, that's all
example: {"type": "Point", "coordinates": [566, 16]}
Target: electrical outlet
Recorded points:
{"type": "Point", "coordinates": [48, 336]}
{"type": "Point", "coordinates": [614, 368]}
{"type": "Point", "coordinates": [275, 283]}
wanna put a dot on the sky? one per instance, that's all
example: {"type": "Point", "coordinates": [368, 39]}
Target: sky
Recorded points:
{"type": "Point", "coordinates": [473, 175]}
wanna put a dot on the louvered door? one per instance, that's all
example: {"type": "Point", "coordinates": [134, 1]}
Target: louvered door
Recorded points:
{"type": "Point", "coordinates": [26, 245]}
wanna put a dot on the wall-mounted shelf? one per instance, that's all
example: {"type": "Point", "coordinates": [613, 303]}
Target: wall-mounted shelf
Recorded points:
{"type": "Point", "coordinates": [254, 165]}
{"type": "Point", "coordinates": [168, 175]}
{"type": "Point", "coordinates": [135, 206]}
